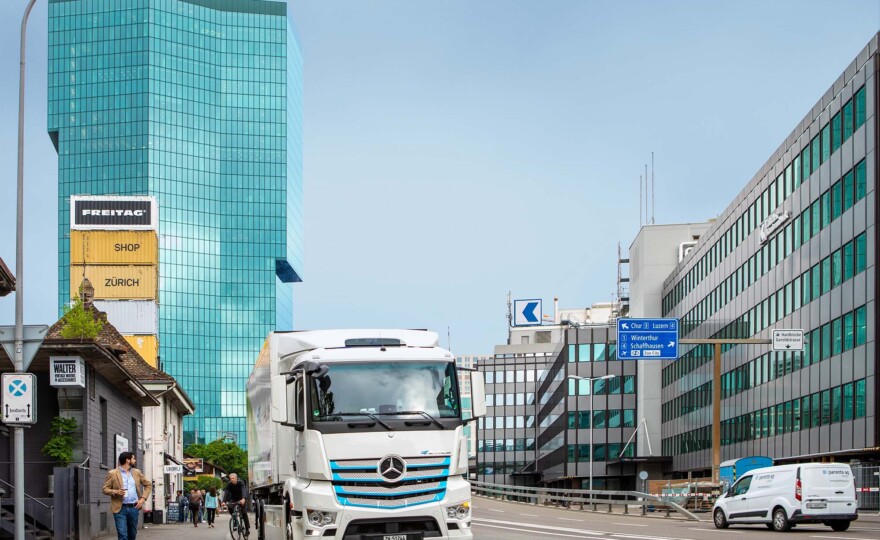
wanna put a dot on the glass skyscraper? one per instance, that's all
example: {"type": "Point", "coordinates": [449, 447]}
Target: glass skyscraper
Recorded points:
{"type": "Point", "coordinates": [199, 104]}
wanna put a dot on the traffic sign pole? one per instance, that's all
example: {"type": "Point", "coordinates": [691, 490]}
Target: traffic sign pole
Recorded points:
{"type": "Point", "coordinates": [18, 432]}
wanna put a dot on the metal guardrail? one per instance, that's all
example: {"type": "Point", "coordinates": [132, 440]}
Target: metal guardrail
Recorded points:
{"type": "Point", "coordinates": [37, 509]}
{"type": "Point", "coordinates": [582, 497]}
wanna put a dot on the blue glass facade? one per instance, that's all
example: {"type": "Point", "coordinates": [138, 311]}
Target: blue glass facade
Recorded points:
{"type": "Point", "coordinates": [199, 104]}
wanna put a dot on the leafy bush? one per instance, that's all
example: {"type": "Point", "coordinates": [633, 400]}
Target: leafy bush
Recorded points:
{"type": "Point", "coordinates": [60, 446]}
{"type": "Point", "coordinates": [79, 323]}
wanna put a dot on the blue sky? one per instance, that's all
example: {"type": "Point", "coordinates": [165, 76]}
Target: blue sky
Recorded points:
{"type": "Point", "coordinates": [458, 150]}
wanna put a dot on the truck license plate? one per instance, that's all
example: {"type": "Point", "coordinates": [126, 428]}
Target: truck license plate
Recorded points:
{"type": "Point", "coordinates": [817, 505]}
{"type": "Point", "coordinates": [395, 537]}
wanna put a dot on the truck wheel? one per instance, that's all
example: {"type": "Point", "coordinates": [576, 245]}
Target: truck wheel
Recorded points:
{"type": "Point", "coordinates": [780, 521]}
{"type": "Point", "coordinates": [720, 520]}
{"type": "Point", "coordinates": [260, 518]}
{"type": "Point", "coordinates": [839, 526]}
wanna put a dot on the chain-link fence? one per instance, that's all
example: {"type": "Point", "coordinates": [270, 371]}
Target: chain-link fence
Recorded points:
{"type": "Point", "coordinates": [867, 479]}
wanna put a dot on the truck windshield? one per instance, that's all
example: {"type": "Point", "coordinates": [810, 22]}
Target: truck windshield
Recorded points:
{"type": "Point", "coordinates": [386, 388]}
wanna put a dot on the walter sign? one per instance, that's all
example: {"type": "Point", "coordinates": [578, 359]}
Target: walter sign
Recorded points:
{"type": "Point", "coordinates": [67, 372]}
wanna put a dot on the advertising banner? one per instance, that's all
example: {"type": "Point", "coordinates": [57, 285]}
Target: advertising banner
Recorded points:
{"type": "Point", "coordinates": [116, 282]}
{"type": "Point", "coordinates": [114, 247]}
{"type": "Point", "coordinates": [113, 213]}
{"type": "Point", "coordinates": [67, 371]}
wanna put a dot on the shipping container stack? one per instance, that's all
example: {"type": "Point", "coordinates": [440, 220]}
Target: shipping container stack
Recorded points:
{"type": "Point", "coordinates": [114, 243]}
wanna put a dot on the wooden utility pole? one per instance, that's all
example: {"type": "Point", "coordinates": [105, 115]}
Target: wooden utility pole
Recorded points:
{"type": "Point", "coordinates": [716, 391]}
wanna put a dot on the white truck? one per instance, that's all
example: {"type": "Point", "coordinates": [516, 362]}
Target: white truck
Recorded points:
{"type": "Point", "coordinates": [358, 435]}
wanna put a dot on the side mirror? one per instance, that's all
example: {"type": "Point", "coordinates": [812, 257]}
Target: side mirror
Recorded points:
{"type": "Point", "coordinates": [478, 394]}
{"type": "Point", "coordinates": [279, 399]}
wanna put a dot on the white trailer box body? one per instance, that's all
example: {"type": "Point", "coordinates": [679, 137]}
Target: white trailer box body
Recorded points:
{"type": "Point", "coordinates": [372, 442]}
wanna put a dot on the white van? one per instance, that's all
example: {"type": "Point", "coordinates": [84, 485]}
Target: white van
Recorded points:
{"type": "Point", "coordinates": [783, 496]}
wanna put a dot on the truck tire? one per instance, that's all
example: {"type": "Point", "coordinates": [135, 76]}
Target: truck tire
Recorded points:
{"type": "Point", "coordinates": [260, 518]}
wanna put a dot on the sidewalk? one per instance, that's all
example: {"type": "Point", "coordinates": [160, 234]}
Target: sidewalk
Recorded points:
{"type": "Point", "coordinates": [202, 532]}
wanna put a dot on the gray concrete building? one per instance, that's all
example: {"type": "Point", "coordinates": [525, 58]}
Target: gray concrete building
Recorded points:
{"type": "Point", "coordinates": [653, 255]}
{"type": "Point", "coordinates": [796, 249]}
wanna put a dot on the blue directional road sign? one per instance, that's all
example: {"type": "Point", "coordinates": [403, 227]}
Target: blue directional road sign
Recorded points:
{"type": "Point", "coordinates": [647, 339]}
{"type": "Point", "coordinates": [527, 312]}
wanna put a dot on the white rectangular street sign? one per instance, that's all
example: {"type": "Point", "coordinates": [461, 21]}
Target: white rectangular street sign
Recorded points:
{"type": "Point", "coordinates": [19, 403]}
{"type": "Point", "coordinates": [788, 340]}
{"type": "Point", "coordinates": [173, 469]}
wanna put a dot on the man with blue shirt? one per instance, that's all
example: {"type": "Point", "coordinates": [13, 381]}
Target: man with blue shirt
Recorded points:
{"type": "Point", "coordinates": [128, 490]}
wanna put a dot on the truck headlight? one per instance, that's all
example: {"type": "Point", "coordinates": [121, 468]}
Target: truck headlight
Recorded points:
{"type": "Point", "coordinates": [459, 511]}
{"type": "Point", "coordinates": [320, 518]}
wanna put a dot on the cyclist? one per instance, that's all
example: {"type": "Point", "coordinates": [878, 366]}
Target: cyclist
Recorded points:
{"type": "Point", "coordinates": [236, 494]}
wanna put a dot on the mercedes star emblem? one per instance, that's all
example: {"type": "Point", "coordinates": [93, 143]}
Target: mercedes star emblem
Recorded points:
{"type": "Point", "coordinates": [391, 468]}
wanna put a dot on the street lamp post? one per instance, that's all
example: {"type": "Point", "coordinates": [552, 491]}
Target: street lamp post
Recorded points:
{"type": "Point", "coordinates": [590, 380]}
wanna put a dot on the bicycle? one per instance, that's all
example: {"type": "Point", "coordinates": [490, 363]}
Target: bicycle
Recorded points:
{"type": "Point", "coordinates": [236, 524]}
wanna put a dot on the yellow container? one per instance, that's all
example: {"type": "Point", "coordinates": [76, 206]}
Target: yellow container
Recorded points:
{"type": "Point", "coordinates": [116, 282]}
{"type": "Point", "coordinates": [146, 346]}
{"type": "Point", "coordinates": [114, 247]}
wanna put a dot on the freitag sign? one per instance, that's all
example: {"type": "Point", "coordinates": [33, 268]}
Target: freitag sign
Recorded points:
{"type": "Point", "coordinates": [113, 213]}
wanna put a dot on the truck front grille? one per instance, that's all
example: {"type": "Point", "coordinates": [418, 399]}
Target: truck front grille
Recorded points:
{"type": "Point", "coordinates": [358, 482]}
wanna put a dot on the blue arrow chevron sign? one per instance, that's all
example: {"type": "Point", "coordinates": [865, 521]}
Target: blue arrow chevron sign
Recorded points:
{"type": "Point", "coordinates": [527, 312]}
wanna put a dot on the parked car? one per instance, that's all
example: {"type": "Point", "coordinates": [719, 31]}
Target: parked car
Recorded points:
{"type": "Point", "coordinates": [783, 496]}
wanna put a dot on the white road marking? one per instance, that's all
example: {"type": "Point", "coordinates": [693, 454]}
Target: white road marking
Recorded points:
{"type": "Point", "coordinates": [630, 524]}
{"type": "Point", "coordinates": [530, 515]}
{"type": "Point", "coordinates": [570, 519]}
{"type": "Point", "coordinates": [714, 530]}
{"type": "Point", "coordinates": [493, 510]}
{"type": "Point", "coordinates": [539, 526]}
{"type": "Point", "coordinates": [837, 537]}
{"type": "Point", "coordinates": [543, 530]}
{"type": "Point", "coordinates": [531, 531]}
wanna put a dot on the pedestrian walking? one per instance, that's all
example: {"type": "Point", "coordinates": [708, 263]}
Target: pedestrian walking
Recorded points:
{"type": "Point", "coordinates": [181, 506]}
{"type": "Point", "coordinates": [211, 505]}
{"type": "Point", "coordinates": [128, 490]}
{"type": "Point", "coordinates": [202, 508]}
{"type": "Point", "coordinates": [195, 503]}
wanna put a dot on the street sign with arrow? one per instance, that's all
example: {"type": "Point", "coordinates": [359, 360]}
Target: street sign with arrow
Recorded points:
{"type": "Point", "coordinates": [19, 403]}
{"type": "Point", "coordinates": [788, 340]}
{"type": "Point", "coordinates": [527, 313]}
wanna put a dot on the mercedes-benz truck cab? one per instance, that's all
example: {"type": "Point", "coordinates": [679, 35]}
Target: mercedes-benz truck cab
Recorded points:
{"type": "Point", "coordinates": [784, 496]}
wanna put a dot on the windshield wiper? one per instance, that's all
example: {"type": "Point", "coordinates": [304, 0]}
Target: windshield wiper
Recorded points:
{"type": "Point", "coordinates": [369, 415]}
{"type": "Point", "coordinates": [420, 413]}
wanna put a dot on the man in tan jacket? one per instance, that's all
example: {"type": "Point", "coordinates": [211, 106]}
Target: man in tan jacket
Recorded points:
{"type": "Point", "coordinates": [128, 490]}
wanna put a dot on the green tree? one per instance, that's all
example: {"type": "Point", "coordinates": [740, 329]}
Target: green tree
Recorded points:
{"type": "Point", "coordinates": [226, 455]}
{"type": "Point", "coordinates": [60, 445]}
{"type": "Point", "coordinates": [79, 323]}
{"type": "Point", "coordinates": [203, 482]}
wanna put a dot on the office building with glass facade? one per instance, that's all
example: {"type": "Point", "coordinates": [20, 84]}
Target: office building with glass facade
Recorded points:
{"type": "Point", "coordinates": [795, 250]}
{"type": "Point", "coordinates": [197, 103]}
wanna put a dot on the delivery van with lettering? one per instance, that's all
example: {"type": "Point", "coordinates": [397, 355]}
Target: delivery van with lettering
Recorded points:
{"type": "Point", "coordinates": [782, 497]}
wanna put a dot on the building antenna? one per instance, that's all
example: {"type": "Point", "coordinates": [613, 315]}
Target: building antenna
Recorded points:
{"type": "Point", "coordinates": [647, 190]}
{"type": "Point", "coordinates": [652, 188]}
{"type": "Point", "coordinates": [641, 211]}
{"type": "Point", "coordinates": [448, 339]}
{"type": "Point", "coordinates": [509, 317]}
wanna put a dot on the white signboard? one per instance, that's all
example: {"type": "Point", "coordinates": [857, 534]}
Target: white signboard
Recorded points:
{"type": "Point", "coordinates": [173, 469]}
{"type": "Point", "coordinates": [19, 403]}
{"type": "Point", "coordinates": [67, 371]}
{"type": "Point", "coordinates": [788, 340]}
{"type": "Point", "coordinates": [527, 312]}
{"type": "Point", "coordinates": [121, 446]}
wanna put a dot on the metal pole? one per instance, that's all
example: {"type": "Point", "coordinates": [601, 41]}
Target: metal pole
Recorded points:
{"type": "Point", "coordinates": [18, 360]}
{"type": "Point", "coordinates": [590, 382]}
{"type": "Point", "coordinates": [716, 414]}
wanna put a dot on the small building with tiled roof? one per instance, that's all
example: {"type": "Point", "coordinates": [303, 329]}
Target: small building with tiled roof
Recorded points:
{"type": "Point", "coordinates": [7, 280]}
{"type": "Point", "coordinates": [119, 402]}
